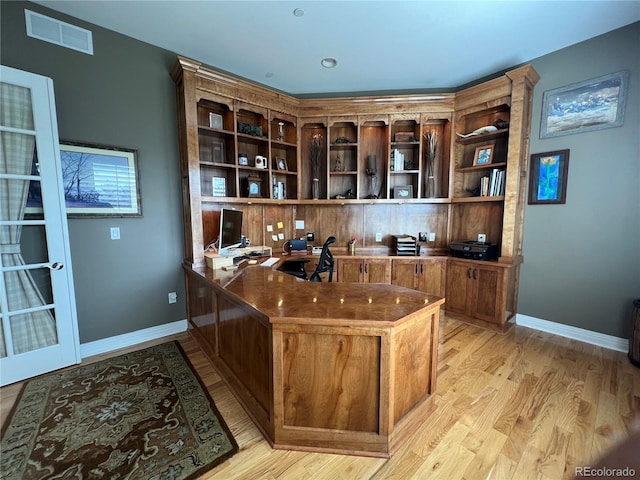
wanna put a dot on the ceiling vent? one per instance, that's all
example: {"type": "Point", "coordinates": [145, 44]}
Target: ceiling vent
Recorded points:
{"type": "Point", "coordinates": [60, 33]}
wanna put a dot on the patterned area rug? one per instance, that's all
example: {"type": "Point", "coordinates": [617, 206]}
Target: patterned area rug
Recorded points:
{"type": "Point", "coordinates": [144, 415]}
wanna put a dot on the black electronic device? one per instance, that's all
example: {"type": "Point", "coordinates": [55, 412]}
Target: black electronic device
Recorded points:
{"type": "Point", "coordinates": [239, 259]}
{"type": "Point", "coordinates": [474, 250]}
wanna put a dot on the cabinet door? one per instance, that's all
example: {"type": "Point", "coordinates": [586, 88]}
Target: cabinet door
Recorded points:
{"type": "Point", "coordinates": [377, 270]}
{"type": "Point", "coordinates": [458, 286]}
{"type": "Point", "coordinates": [487, 292]}
{"type": "Point", "coordinates": [432, 277]}
{"type": "Point", "coordinates": [404, 273]}
{"type": "Point", "coordinates": [350, 270]}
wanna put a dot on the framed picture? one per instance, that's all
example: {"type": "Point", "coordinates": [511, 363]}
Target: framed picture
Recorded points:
{"type": "Point", "coordinates": [548, 177]}
{"type": "Point", "coordinates": [219, 186]}
{"type": "Point", "coordinates": [100, 181]}
{"type": "Point", "coordinates": [217, 151]}
{"type": "Point", "coordinates": [215, 120]}
{"type": "Point", "coordinates": [281, 163]}
{"type": "Point", "coordinates": [585, 106]}
{"type": "Point", "coordinates": [483, 155]}
{"type": "Point", "coordinates": [403, 192]}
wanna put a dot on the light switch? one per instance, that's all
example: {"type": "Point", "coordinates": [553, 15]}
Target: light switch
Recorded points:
{"type": "Point", "coordinates": [115, 233]}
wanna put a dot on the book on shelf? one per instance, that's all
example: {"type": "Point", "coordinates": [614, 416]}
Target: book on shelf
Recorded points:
{"type": "Point", "coordinates": [397, 160]}
{"type": "Point", "coordinates": [279, 189]}
{"type": "Point", "coordinates": [493, 184]}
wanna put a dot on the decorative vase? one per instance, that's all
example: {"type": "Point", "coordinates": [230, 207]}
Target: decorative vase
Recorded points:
{"type": "Point", "coordinates": [352, 248]}
{"type": "Point", "coordinates": [430, 187]}
{"type": "Point", "coordinates": [431, 151]}
{"type": "Point", "coordinates": [315, 188]}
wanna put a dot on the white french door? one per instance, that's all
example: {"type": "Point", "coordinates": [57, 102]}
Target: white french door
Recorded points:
{"type": "Point", "coordinates": [38, 322]}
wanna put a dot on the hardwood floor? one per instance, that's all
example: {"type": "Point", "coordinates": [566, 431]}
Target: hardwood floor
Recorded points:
{"type": "Point", "coordinates": [522, 405]}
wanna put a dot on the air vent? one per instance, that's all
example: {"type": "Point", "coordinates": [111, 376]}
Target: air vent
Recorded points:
{"type": "Point", "coordinates": [60, 33]}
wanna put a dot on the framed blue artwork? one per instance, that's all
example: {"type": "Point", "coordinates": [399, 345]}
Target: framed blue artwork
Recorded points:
{"type": "Point", "coordinates": [548, 177]}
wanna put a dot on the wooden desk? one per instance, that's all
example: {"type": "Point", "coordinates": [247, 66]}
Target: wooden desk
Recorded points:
{"type": "Point", "coordinates": [331, 367]}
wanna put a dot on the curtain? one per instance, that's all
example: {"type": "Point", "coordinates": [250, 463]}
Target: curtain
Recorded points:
{"type": "Point", "coordinates": [37, 329]}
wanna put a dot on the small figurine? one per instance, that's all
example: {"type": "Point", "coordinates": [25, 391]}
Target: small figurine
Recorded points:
{"type": "Point", "coordinates": [338, 167]}
{"type": "Point", "coordinates": [349, 194]}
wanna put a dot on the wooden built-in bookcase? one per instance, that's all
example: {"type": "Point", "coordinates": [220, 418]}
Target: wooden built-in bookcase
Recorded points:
{"type": "Point", "coordinates": [373, 173]}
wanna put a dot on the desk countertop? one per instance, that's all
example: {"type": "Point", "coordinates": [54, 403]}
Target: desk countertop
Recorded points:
{"type": "Point", "coordinates": [287, 299]}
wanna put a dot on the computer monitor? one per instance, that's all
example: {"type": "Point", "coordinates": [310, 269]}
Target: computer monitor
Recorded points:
{"type": "Point", "coordinates": [230, 231]}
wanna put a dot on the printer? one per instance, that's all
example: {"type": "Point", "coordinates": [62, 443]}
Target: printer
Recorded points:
{"type": "Point", "coordinates": [474, 250]}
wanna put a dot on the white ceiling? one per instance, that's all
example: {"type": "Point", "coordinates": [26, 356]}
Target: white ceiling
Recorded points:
{"type": "Point", "coordinates": [379, 45]}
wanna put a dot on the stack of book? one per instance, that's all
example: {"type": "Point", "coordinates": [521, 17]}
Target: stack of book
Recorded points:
{"type": "Point", "coordinates": [397, 160]}
{"type": "Point", "coordinates": [405, 245]}
{"type": "Point", "coordinates": [493, 184]}
{"type": "Point", "coordinates": [279, 189]}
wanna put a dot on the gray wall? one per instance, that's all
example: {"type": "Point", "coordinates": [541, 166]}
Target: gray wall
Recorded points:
{"type": "Point", "coordinates": [582, 259]}
{"type": "Point", "coordinates": [121, 96]}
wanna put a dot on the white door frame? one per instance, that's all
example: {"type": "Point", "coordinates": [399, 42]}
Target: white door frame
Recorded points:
{"type": "Point", "coordinates": [16, 367]}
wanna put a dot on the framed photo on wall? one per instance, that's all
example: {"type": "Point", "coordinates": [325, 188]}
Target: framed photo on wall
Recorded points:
{"type": "Point", "coordinates": [548, 177]}
{"type": "Point", "coordinates": [99, 180]}
{"type": "Point", "coordinates": [585, 106]}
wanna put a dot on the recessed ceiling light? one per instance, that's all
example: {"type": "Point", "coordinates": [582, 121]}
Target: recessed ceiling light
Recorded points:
{"type": "Point", "coordinates": [328, 62]}
{"type": "Point", "coordinates": [298, 12]}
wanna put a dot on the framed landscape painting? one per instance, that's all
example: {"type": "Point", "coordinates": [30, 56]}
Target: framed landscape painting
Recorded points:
{"type": "Point", "coordinates": [100, 181]}
{"type": "Point", "coordinates": [585, 106]}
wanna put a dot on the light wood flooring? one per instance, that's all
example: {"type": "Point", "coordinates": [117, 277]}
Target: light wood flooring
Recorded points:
{"type": "Point", "coordinates": [523, 405]}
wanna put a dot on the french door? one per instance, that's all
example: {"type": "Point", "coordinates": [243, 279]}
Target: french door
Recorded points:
{"type": "Point", "coordinates": [38, 322]}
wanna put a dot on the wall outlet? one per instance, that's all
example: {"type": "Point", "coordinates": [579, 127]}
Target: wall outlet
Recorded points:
{"type": "Point", "coordinates": [422, 237]}
{"type": "Point", "coordinates": [173, 297]}
{"type": "Point", "coordinates": [115, 233]}
{"type": "Point", "coordinates": [432, 236]}
{"type": "Point", "coordinates": [482, 237]}
{"type": "Point", "coordinates": [378, 237]}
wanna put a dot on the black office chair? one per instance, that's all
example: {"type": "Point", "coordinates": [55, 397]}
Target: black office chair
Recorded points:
{"type": "Point", "coordinates": [325, 263]}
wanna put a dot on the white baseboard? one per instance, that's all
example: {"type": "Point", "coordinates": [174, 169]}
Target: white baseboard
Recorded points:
{"type": "Point", "coordinates": [140, 336]}
{"type": "Point", "coordinates": [576, 333]}
{"type": "Point", "coordinates": [133, 338]}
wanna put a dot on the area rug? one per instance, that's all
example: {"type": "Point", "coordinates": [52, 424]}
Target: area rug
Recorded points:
{"type": "Point", "coordinates": [143, 415]}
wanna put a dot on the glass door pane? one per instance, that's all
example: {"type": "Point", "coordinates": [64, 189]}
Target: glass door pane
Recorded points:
{"type": "Point", "coordinates": [38, 331]}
